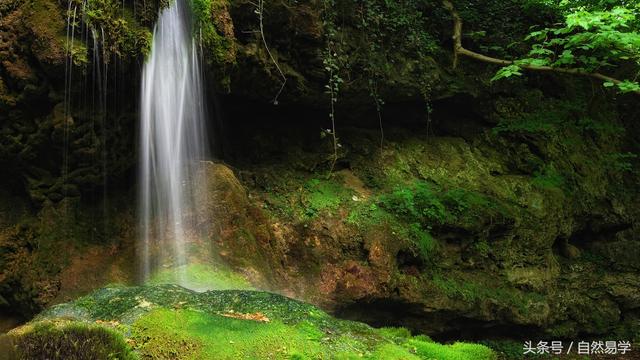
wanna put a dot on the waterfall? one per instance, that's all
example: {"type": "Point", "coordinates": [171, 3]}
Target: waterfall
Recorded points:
{"type": "Point", "coordinates": [172, 141]}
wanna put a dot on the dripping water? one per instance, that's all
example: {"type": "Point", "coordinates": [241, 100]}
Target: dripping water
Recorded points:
{"type": "Point", "coordinates": [172, 141]}
{"type": "Point", "coordinates": [87, 102]}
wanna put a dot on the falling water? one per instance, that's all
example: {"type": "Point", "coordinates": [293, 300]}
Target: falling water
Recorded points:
{"type": "Point", "coordinates": [172, 141]}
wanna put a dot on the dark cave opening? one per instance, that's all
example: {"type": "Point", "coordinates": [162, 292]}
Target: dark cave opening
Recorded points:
{"type": "Point", "coordinates": [246, 130]}
{"type": "Point", "coordinates": [440, 325]}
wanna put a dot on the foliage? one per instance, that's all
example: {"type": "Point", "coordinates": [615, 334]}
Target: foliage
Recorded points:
{"type": "Point", "coordinates": [384, 20]}
{"type": "Point", "coordinates": [390, 28]}
{"type": "Point", "coordinates": [366, 214]}
{"type": "Point", "coordinates": [588, 41]}
{"type": "Point", "coordinates": [211, 34]}
{"type": "Point", "coordinates": [112, 28]}
{"type": "Point", "coordinates": [507, 71]}
{"type": "Point", "coordinates": [482, 248]}
{"type": "Point", "coordinates": [498, 27]}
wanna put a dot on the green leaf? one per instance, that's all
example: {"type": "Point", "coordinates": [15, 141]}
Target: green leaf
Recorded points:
{"type": "Point", "coordinates": [507, 71]}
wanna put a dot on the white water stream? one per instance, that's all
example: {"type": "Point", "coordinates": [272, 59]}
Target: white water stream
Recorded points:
{"type": "Point", "coordinates": [172, 141]}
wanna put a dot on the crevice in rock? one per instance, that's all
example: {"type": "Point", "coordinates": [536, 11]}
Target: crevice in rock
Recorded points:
{"type": "Point", "coordinates": [597, 230]}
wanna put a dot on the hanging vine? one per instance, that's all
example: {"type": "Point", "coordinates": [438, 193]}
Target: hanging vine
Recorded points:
{"type": "Point", "coordinates": [391, 32]}
{"type": "Point", "coordinates": [259, 10]}
{"type": "Point", "coordinates": [369, 26]}
{"type": "Point", "coordinates": [331, 64]}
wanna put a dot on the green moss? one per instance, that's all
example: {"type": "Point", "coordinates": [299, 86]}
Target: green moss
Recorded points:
{"type": "Point", "coordinates": [416, 203]}
{"type": "Point", "coordinates": [470, 291]}
{"type": "Point", "coordinates": [507, 349]}
{"type": "Point", "coordinates": [117, 29]}
{"type": "Point", "coordinates": [457, 351]}
{"type": "Point", "coordinates": [548, 178]}
{"type": "Point", "coordinates": [170, 322]}
{"type": "Point", "coordinates": [395, 332]}
{"type": "Point", "coordinates": [467, 205]}
{"type": "Point", "coordinates": [620, 162]}
{"type": "Point", "coordinates": [213, 29]}
{"type": "Point", "coordinates": [72, 341]}
{"type": "Point", "coordinates": [365, 214]}
{"type": "Point", "coordinates": [323, 196]}
{"type": "Point", "coordinates": [201, 277]}
{"type": "Point", "coordinates": [422, 239]}
{"type": "Point", "coordinates": [393, 351]}
{"type": "Point", "coordinates": [223, 337]}
{"type": "Point", "coordinates": [430, 206]}
{"type": "Point", "coordinates": [546, 117]}
{"type": "Point", "coordinates": [482, 248]}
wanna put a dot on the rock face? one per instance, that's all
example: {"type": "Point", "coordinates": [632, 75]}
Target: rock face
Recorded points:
{"type": "Point", "coordinates": [170, 322]}
{"type": "Point", "coordinates": [442, 236]}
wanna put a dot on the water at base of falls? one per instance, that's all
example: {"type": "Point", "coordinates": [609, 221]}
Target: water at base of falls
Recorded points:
{"type": "Point", "coordinates": [172, 143]}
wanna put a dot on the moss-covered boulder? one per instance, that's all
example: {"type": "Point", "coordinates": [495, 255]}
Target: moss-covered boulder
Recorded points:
{"type": "Point", "coordinates": [170, 322]}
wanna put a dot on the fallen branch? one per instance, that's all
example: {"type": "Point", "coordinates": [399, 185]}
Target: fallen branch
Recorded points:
{"type": "Point", "coordinates": [458, 49]}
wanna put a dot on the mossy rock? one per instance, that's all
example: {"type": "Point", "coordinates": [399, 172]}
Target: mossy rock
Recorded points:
{"type": "Point", "coordinates": [171, 322]}
{"type": "Point", "coordinates": [68, 340]}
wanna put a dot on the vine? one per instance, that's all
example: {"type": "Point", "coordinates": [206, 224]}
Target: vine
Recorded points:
{"type": "Point", "coordinates": [379, 102]}
{"type": "Point", "coordinates": [259, 10]}
{"type": "Point", "coordinates": [331, 64]}
{"type": "Point", "coordinates": [391, 32]}
{"type": "Point", "coordinates": [370, 19]}
{"type": "Point", "coordinates": [425, 90]}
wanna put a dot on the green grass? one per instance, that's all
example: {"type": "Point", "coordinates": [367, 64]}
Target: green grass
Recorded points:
{"type": "Point", "coordinates": [201, 277]}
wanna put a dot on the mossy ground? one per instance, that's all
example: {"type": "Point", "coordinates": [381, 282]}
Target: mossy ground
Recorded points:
{"type": "Point", "coordinates": [201, 277]}
{"type": "Point", "coordinates": [170, 322]}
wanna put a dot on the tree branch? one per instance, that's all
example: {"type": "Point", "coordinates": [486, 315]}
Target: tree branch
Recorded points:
{"type": "Point", "coordinates": [458, 49]}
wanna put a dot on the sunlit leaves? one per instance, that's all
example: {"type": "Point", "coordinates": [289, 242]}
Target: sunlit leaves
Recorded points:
{"type": "Point", "coordinates": [589, 41]}
{"type": "Point", "coordinates": [507, 71]}
{"type": "Point", "coordinates": [628, 86]}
